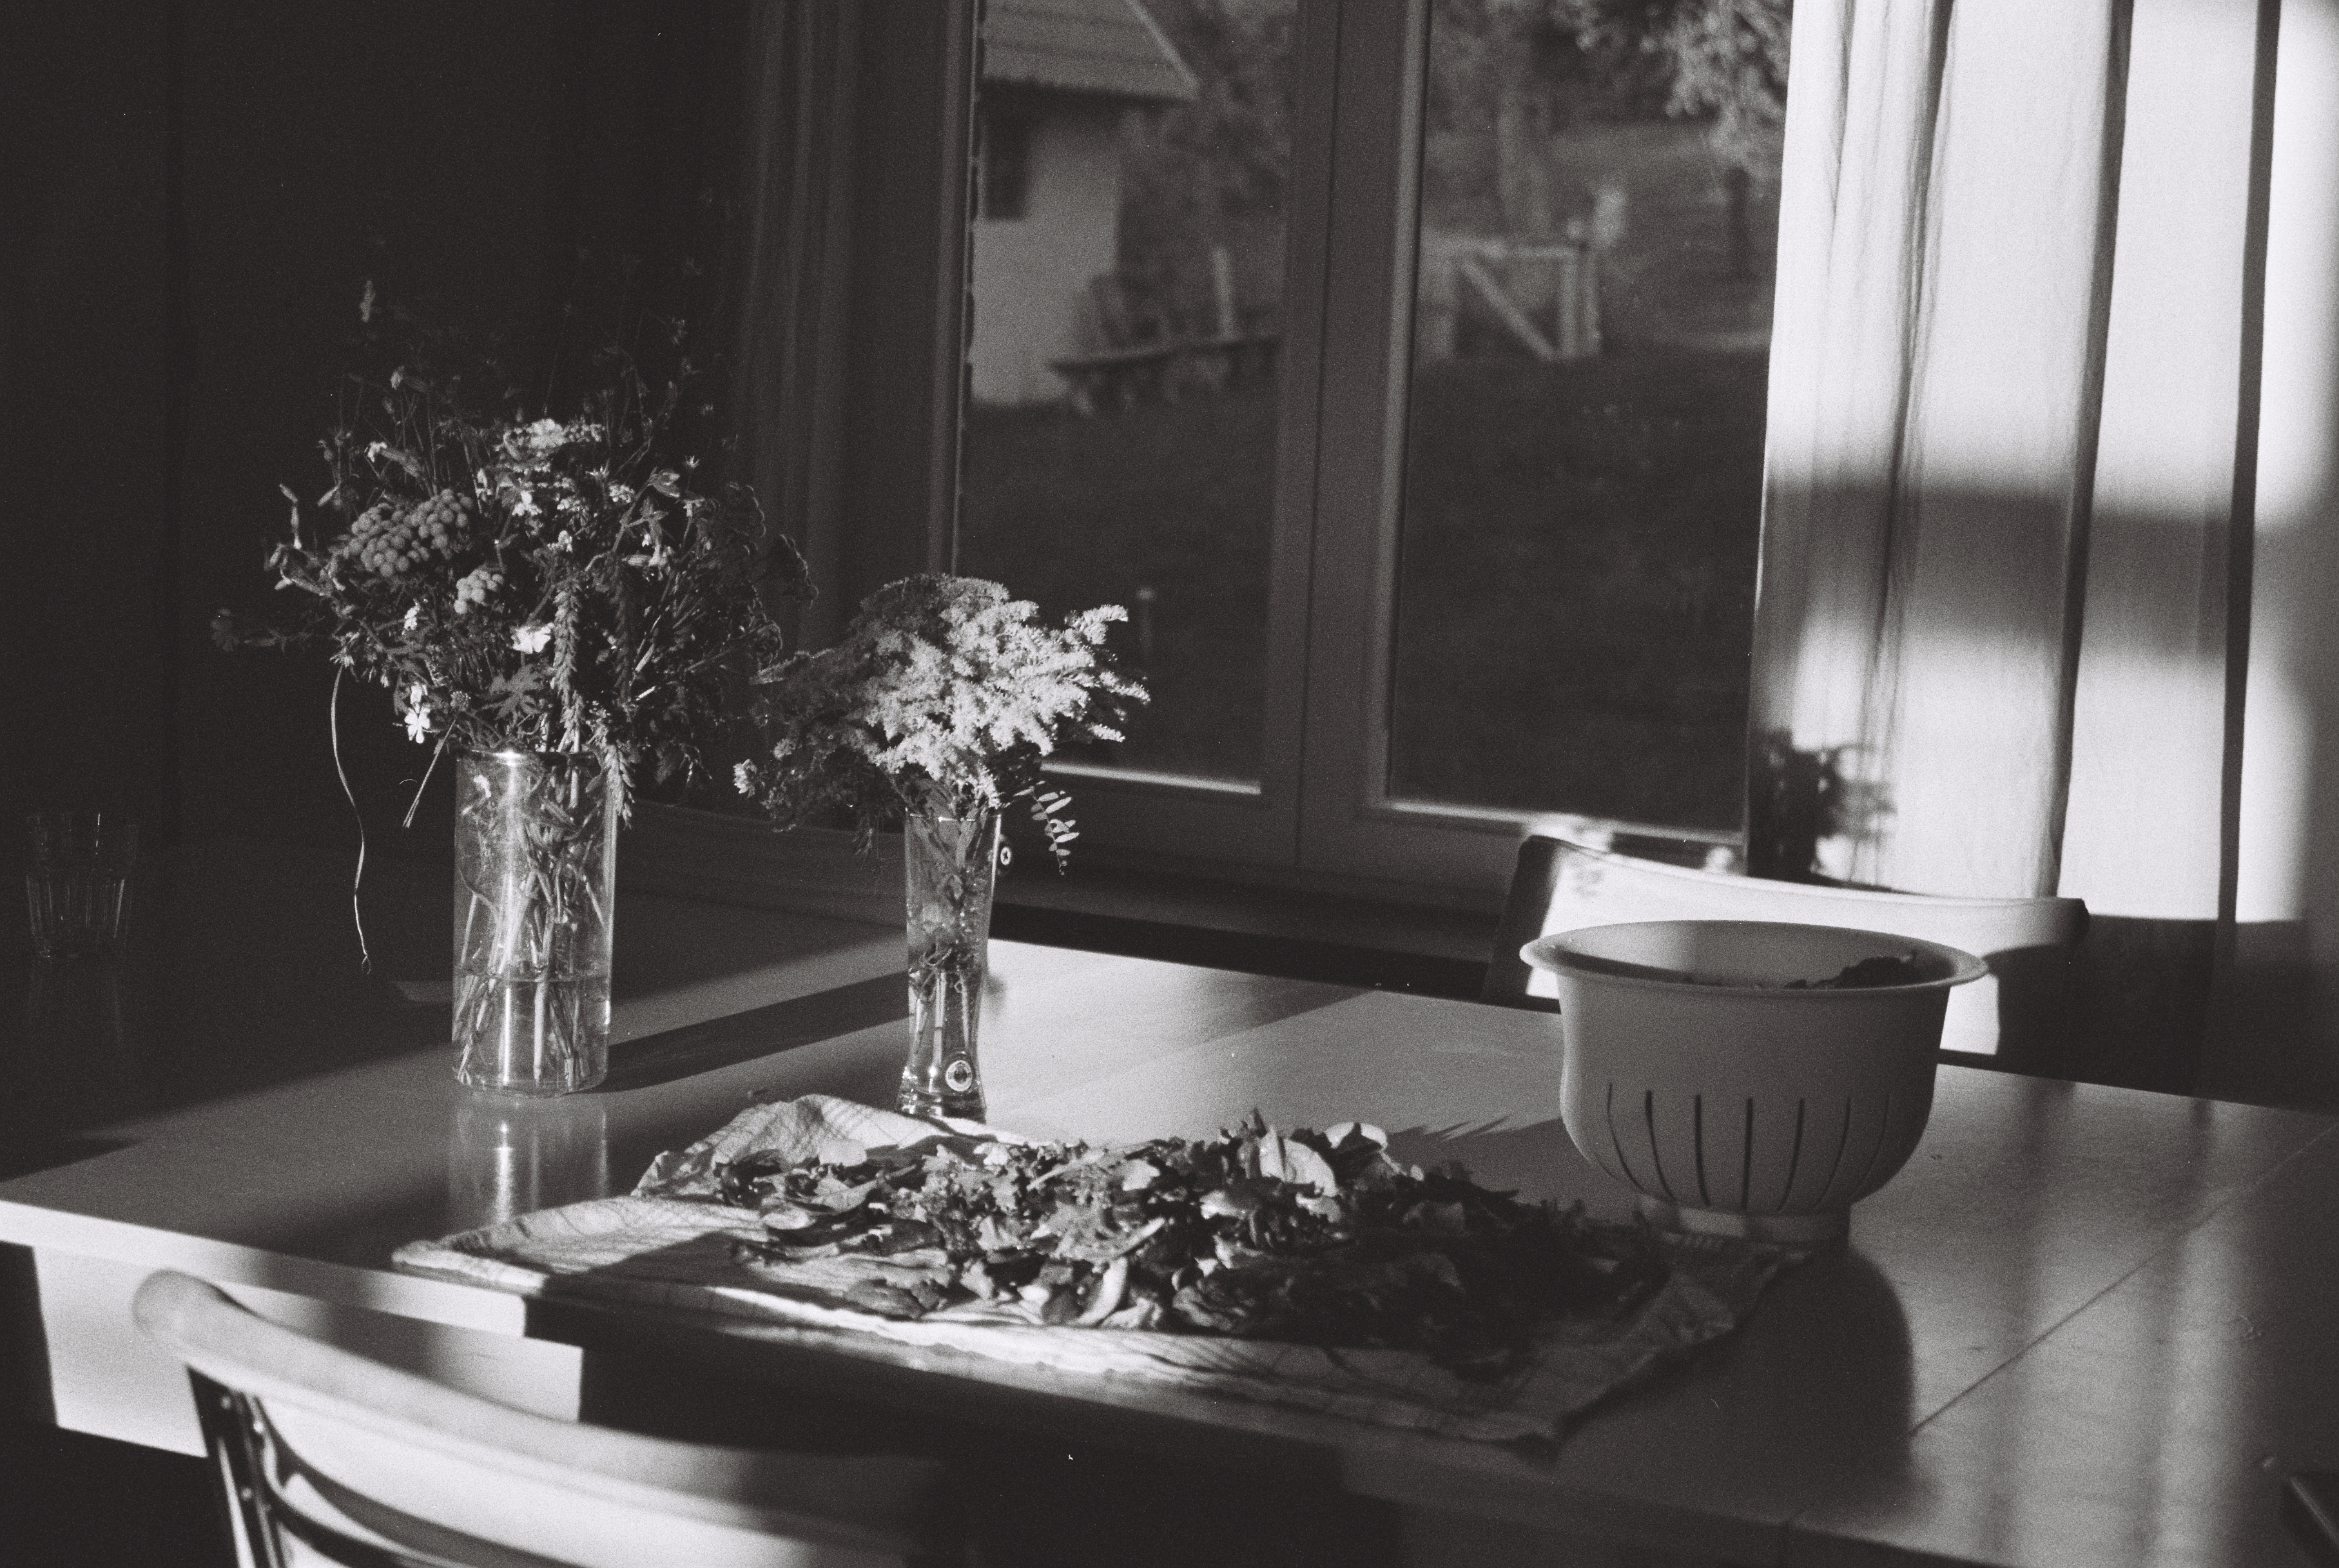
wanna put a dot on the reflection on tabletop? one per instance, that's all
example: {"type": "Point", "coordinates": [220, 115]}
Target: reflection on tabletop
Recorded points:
{"type": "Point", "coordinates": [75, 1057]}
{"type": "Point", "coordinates": [507, 1156]}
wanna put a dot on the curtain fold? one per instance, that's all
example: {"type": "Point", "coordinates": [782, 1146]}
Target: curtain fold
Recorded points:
{"type": "Point", "coordinates": [704, 183]}
{"type": "Point", "coordinates": [2154, 800]}
{"type": "Point", "coordinates": [787, 270]}
{"type": "Point", "coordinates": [1944, 277]}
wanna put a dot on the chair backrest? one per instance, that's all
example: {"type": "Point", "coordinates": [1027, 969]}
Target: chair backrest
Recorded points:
{"type": "Point", "coordinates": [326, 1453]}
{"type": "Point", "coordinates": [2028, 942]}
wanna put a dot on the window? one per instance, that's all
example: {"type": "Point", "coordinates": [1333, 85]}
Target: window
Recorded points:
{"type": "Point", "coordinates": [1122, 436]}
{"type": "Point", "coordinates": [1005, 151]}
{"type": "Point", "coordinates": [1416, 413]}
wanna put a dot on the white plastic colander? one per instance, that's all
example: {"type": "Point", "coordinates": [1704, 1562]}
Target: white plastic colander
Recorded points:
{"type": "Point", "coordinates": [1732, 1101]}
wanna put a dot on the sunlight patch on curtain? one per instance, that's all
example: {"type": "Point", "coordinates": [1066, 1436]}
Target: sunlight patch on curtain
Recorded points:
{"type": "Point", "coordinates": [2143, 832]}
{"type": "Point", "coordinates": [1934, 370]}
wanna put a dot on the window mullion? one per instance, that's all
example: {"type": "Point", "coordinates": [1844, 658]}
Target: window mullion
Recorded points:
{"type": "Point", "coordinates": [1347, 826]}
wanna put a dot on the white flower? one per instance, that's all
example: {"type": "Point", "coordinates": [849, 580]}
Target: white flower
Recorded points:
{"type": "Point", "coordinates": [531, 639]}
{"type": "Point", "coordinates": [413, 617]}
{"type": "Point", "coordinates": [418, 714]}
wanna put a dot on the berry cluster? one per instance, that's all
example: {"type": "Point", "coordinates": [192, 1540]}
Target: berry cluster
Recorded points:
{"type": "Point", "coordinates": [389, 541]}
{"type": "Point", "coordinates": [477, 585]}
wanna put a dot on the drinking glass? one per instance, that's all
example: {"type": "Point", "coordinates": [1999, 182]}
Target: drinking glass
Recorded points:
{"type": "Point", "coordinates": [77, 882]}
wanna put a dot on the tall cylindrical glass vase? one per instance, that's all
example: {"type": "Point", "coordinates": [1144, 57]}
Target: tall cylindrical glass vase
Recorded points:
{"type": "Point", "coordinates": [950, 866]}
{"type": "Point", "coordinates": [536, 884]}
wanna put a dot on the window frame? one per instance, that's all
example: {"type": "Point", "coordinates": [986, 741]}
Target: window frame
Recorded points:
{"type": "Point", "coordinates": [1321, 814]}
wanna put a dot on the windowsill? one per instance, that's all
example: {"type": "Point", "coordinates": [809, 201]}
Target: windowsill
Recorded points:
{"type": "Point", "coordinates": [1388, 941]}
{"type": "Point", "coordinates": [1219, 925]}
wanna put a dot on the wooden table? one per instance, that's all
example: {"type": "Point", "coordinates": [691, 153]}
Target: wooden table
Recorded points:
{"type": "Point", "coordinates": [2085, 1326]}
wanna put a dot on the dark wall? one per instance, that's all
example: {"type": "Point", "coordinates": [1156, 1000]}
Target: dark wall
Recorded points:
{"type": "Point", "coordinates": [416, 144]}
{"type": "Point", "coordinates": [191, 196]}
{"type": "Point", "coordinates": [85, 563]}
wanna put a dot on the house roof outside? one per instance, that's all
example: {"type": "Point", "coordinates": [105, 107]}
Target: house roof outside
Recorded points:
{"type": "Point", "coordinates": [1109, 47]}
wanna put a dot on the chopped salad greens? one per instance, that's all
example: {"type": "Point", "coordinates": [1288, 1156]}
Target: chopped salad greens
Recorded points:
{"type": "Point", "coordinates": [1317, 1238]}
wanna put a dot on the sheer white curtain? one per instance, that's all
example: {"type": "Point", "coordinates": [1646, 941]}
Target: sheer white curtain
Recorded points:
{"type": "Point", "coordinates": [2005, 597]}
{"type": "Point", "coordinates": [1944, 229]}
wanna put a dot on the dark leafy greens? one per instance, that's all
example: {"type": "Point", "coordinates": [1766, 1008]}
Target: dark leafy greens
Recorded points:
{"type": "Point", "coordinates": [1867, 975]}
{"type": "Point", "coordinates": [1316, 1237]}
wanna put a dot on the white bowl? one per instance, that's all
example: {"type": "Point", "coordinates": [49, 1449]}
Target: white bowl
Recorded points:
{"type": "Point", "coordinates": [1733, 1103]}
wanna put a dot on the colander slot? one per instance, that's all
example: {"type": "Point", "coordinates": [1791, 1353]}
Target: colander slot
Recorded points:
{"type": "Point", "coordinates": [1835, 1163]}
{"type": "Point", "coordinates": [1865, 1150]}
{"type": "Point", "coordinates": [1601, 1154]}
{"type": "Point", "coordinates": [1876, 1150]}
{"type": "Point", "coordinates": [1618, 1144]}
{"type": "Point", "coordinates": [1746, 1161]}
{"type": "Point", "coordinates": [1697, 1145]}
{"type": "Point", "coordinates": [1794, 1159]}
{"type": "Point", "coordinates": [1649, 1115]}
{"type": "Point", "coordinates": [1906, 1126]}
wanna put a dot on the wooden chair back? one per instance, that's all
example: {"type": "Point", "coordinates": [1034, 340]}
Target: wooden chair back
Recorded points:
{"type": "Point", "coordinates": [329, 1456]}
{"type": "Point", "coordinates": [2018, 1012]}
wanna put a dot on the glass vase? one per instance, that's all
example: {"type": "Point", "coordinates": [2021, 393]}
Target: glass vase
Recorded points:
{"type": "Point", "coordinates": [951, 866]}
{"type": "Point", "coordinates": [535, 869]}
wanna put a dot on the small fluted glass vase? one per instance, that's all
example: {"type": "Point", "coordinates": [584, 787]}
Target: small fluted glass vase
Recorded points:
{"type": "Point", "coordinates": [536, 883]}
{"type": "Point", "coordinates": [951, 867]}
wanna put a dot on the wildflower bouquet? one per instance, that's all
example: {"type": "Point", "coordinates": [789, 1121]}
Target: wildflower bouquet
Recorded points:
{"type": "Point", "coordinates": [939, 700]}
{"type": "Point", "coordinates": [939, 703]}
{"type": "Point", "coordinates": [537, 584]}
{"type": "Point", "coordinates": [556, 600]}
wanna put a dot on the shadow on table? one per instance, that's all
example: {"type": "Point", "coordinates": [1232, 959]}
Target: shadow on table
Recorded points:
{"type": "Point", "coordinates": [1825, 1355]}
{"type": "Point", "coordinates": [1046, 1481]}
{"type": "Point", "coordinates": [1823, 1370]}
{"type": "Point", "coordinates": [740, 1037]}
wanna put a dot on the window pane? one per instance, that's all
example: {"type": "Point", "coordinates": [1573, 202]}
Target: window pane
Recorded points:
{"type": "Point", "coordinates": [1119, 443]}
{"type": "Point", "coordinates": [1004, 142]}
{"type": "Point", "coordinates": [1584, 445]}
